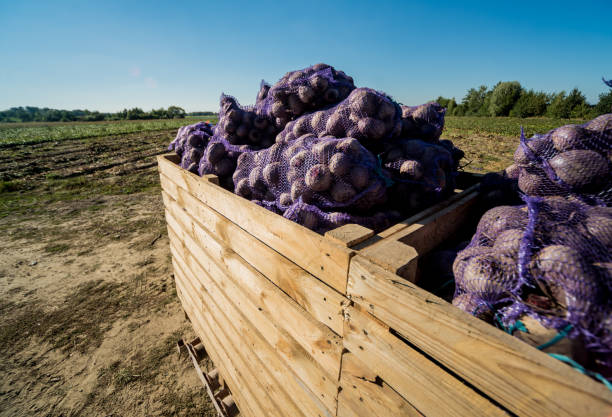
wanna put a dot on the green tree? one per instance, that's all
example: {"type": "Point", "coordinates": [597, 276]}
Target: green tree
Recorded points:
{"type": "Point", "coordinates": [175, 112]}
{"type": "Point", "coordinates": [474, 100]}
{"type": "Point", "coordinates": [605, 103]}
{"type": "Point", "coordinates": [530, 104]}
{"type": "Point", "coordinates": [504, 97]}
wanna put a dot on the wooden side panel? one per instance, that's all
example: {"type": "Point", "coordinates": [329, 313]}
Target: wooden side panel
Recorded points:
{"type": "Point", "coordinates": [426, 386]}
{"type": "Point", "coordinates": [318, 255]}
{"type": "Point", "coordinates": [282, 385]}
{"type": "Point", "coordinates": [365, 395]}
{"type": "Point", "coordinates": [321, 301]}
{"type": "Point", "coordinates": [519, 377]}
{"type": "Point", "coordinates": [264, 309]}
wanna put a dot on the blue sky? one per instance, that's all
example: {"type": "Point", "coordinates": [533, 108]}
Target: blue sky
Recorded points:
{"type": "Point", "coordinates": [115, 54]}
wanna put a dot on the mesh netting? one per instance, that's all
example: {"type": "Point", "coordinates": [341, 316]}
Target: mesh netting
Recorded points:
{"type": "Point", "coordinates": [327, 172]}
{"type": "Point", "coordinates": [303, 91]}
{"type": "Point", "coordinates": [551, 258]}
{"type": "Point", "coordinates": [220, 158]}
{"type": "Point", "coordinates": [243, 125]}
{"type": "Point", "coordinates": [423, 122]}
{"type": "Point", "coordinates": [366, 115]}
{"type": "Point", "coordinates": [190, 143]}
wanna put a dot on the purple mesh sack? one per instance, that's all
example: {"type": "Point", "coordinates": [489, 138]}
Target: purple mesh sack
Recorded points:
{"type": "Point", "coordinates": [220, 158]}
{"type": "Point", "coordinates": [366, 115]}
{"type": "Point", "coordinates": [243, 125]}
{"type": "Point", "coordinates": [189, 144]}
{"type": "Point", "coordinates": [551, 259]}
{"type": "Point", "coordinates": [423, 122]}
{"type": "Point", "coordinates": [329, 173]}
{"type": "Point", "coordinates": [569, 160]}
{"type": "Point", "coordinates": [312, 217]}
{"type": "Point", "coordinates": [303, 91]}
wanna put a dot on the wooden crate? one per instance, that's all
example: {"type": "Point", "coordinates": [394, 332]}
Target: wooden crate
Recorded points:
{"type": "Point", "coordinates": [266, 295]}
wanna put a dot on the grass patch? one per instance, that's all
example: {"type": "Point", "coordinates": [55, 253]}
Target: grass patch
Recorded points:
{"type": "Point", "coordinates": [56, 248]}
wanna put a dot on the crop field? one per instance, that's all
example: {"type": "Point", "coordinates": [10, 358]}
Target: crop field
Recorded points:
{"type": "Point", "coordinates": [90, 316]}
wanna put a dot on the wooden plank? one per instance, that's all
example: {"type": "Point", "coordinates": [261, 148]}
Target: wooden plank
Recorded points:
{"type": "Point", "coordinates": [350, 235]}
{"type": "Point", "coordinates": [318, 255]}
{"type": "Point", "coordinates": [245, 334]}
{"type": "Point", "coordinates": [318, 379]}
{"type": "Point", "coordinates": [246, 402]}
{"type": "Point", "coordinates": [364, 395]}
{"type": "Point", "coordinates": [426, 233]}
{"type": "Point", "coordinates": [519, 377]}
{"type": "Point", "coordinates": [324, 345]}
{"type": "Point", "coordinates": [395, 257]}
{"type": "Point", "coordinates": [320, 300]}
{"type": "Point", "coordinates": [416, 378]}
{"type": "Point", "coordinates": [230, 323]}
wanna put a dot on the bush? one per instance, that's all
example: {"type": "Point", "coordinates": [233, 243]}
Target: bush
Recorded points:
{"type": "Point", "coordinates": [504, 97]}
{"type": "Point", "coordinates": [530, 104]}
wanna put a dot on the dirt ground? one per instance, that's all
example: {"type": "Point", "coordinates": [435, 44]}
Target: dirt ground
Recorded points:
{"type": "Point", "coordinates": [90, 316]}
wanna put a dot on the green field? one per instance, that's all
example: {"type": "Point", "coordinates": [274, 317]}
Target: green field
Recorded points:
{"type": "Point", "coordinates": [12, 134]}
{"type": "Point", "coordinates": [505, 126]}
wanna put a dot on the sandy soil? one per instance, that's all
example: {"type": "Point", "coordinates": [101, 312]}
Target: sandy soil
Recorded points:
{"type": "Point", "coordinates": [90, 317]}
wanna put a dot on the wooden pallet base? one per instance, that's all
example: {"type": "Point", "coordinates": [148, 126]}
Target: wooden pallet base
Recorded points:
{"type": "Point", "coordinates": [218, 392]}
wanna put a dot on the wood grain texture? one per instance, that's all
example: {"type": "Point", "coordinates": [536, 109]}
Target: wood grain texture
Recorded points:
{"type": "Point", "coordinates": [287, 391]}
{"type": "Point", "coordinates": [350, 235]}
{"type": "Point", "coordinates": [519, 377]}
{"type": "Point", "coordinates": [426, 386]}
{"type": "Point", "coordinates": [318, 255]}
{"type": "Point", "coordinates": [363, 395]}
{"type": "Point", "coordinates": [320, 300]}
{"type": "Point", "coordinates": [272, 323]}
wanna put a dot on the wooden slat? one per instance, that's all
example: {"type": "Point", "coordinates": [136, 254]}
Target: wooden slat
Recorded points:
{"type": "Point", "coordinates": [350, 235]}
{"type": "Point", "coordinates": [320, 300]}
{"type": "Point", "coordinates": [426, 386]}
{"type": "Point", "coordinates": [246, 335]}
{"type": "Point", "coordinates": [363, 395]}
{"type": "Point", "coordinates": [315, 253]}
{"type": "Point", "coordinates": [519, 377]}
{"type": "Point", "coordinates": [324, 345]}
{"type": "Point", "coordinates": [322, 381]}
{"type": "Point", "coordinates": [247, 404]}
{"type": "Point", "coordinates": [263, 367]}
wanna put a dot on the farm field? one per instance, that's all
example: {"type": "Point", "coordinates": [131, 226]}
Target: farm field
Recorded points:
{"type": "Point", "coordinates": [90, 314]}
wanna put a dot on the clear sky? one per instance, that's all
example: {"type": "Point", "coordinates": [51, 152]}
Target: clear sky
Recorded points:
{"type": "Point", "coordinates": [108, 55]}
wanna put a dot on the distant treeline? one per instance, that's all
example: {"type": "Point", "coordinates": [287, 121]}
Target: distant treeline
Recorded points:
{"type": "Point", "coordinates": [36, 114]}
{"type": "Point", "coordinates": [511, 99]}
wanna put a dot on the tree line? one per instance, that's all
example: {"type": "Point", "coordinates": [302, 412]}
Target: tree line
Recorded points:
{"type": "Point", "coordinates": [511, 99]}
{"type": "Point", "coordinates": [36, 114]}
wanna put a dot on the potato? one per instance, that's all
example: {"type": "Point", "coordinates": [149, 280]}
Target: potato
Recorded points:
{"type": "Point", "coordinates": [235, 115]}
{"type": "Point", "coordinates": [242, 131]}
{"type": "Point", "coordinates": [295, 105]}
{"type": "Point", "coordinates": [568, 137]}
{"type": "Point", "coordinates": [363, 102]}
{"type": "Point", "coordinates": [301, 126]}
{"type": "Point", "coordinates": [255, 180]}
{"type": "Point", "coordinates": [299, 189]}
{"type": "Point", "coordinates": [254, 135]}
{"type": "Point", "coordinates": [509, 241]}
{"type": "Point", "coordinates": [260, 123]}
{"type": "Point", "coordinates": [386, 110]}
{"type": "Point", "coordinates": [501, 218]}
{"type": "Point", "coordinates": [580, 168]}
{"type": "Point", "coordinates": [535, 182]}
{"type": "Point", "coordinates": [413, 169]}
{"type": "Point", "coordinates": [394, 154]}
{"type": "Point", "coordinates": [195, 155]}
{"type": "Point", "coordinates": [320, 66]}
{"type": "Point", "coordinates": [340, 164]}
{"type": "Point", "coordinates": [279, 110]}
{"type": "Point", "coordinates": [243, 189]}
{"type": "Point", "coordinates": [600, 227]}
{"type": "Point", "coordinates": [371, 128]}
{"type": "Point", "coordinates": [413, 148]}
{"type": "Point", "coordinates": [359, 177]}
{"type": "Point", "coordinates": [196, 141]}
{"type": "Point", "coordinates": [285, 199]}
{"type": "Point", "coordinates": [272, 174]}
{"type": "Point", "coordinates": [319, 83]}
{"type": "Point", "coordinates": [342, 192]}
{"type": "Point", "coordinates": [224, 167]}
{"type": "Point", "coordinates": [335, 125]}
{"type": "Point", "coordinates": [295, 75]}
{"type": "Point", "coordinates": [214, 152]}
{"type": "Point", "coordinates": [299, 159]}
{"type": "Point", "coordinates": [488, 276]}
{"type": "Point", "coordinates": [331, 95]}
{"type": "Point", "coordinates": [318, 178]}
{"type": "Point", "coordinates": [512, 172]}
{"type": "Point", "coordinates": [306, 94]}
{"type": "Point", "coordinates": [323, 150]}
{"type": "Point", "coordinates": [309, 219]}
{"type": "Point", "coordinates": [317, 121]}
{"type": "Point", "coordinates": [472, 305]}
{"type": "Point", "coordinates": [350, 147]}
